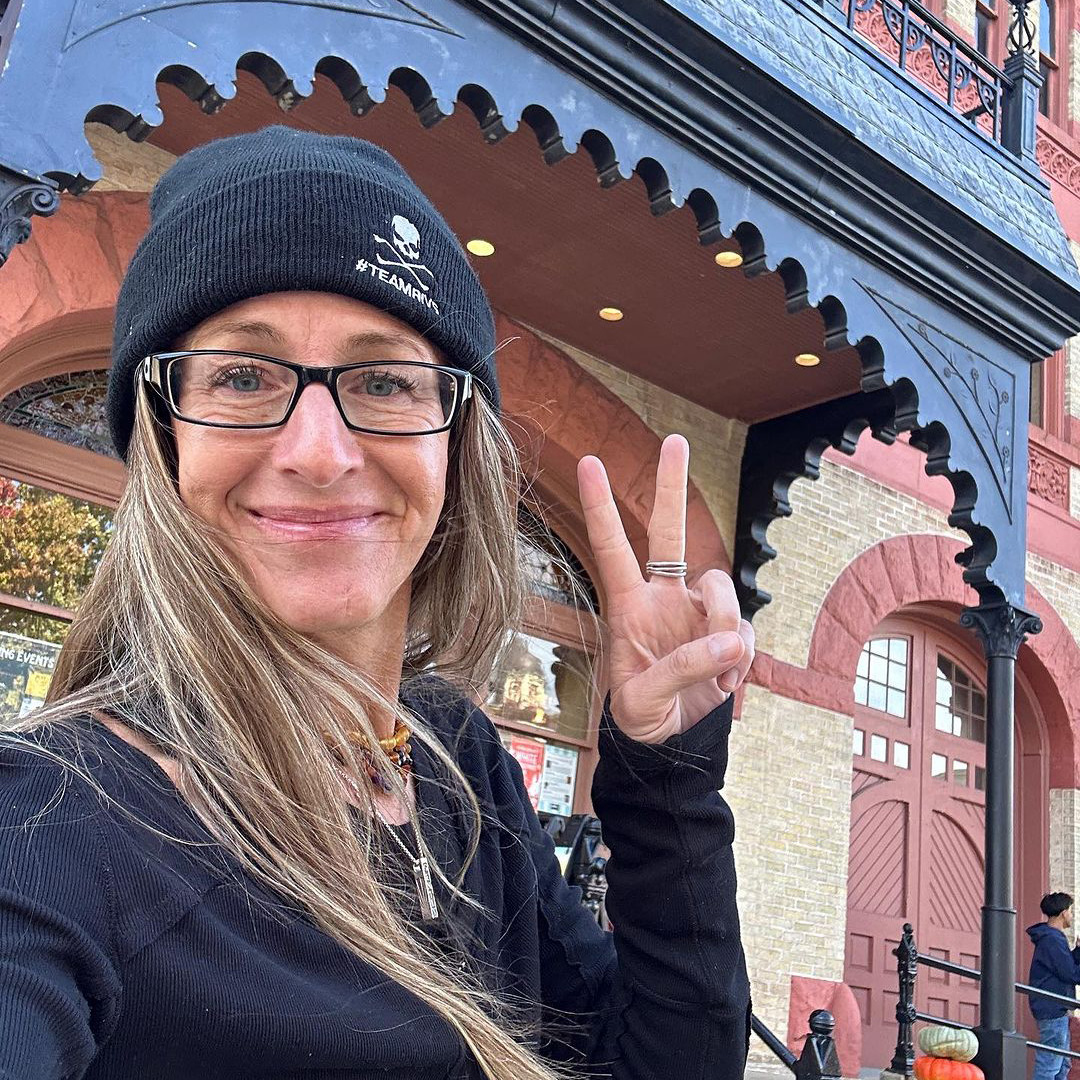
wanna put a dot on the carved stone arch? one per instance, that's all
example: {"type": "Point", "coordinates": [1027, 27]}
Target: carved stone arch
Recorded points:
{"type": "Point", "coordinates": [537, 381]}
{"type": "Point", "coordinates": [906, 571]}
{"type": "Point", "coordinates": [60, 289]}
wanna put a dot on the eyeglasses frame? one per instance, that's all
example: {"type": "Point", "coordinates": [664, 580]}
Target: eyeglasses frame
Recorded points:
{"type": "Point", "coordinates": [156, 367]}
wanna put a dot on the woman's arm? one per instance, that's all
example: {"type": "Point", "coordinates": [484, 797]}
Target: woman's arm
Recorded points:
{"type": "Point", "coordinates": [667, 993]}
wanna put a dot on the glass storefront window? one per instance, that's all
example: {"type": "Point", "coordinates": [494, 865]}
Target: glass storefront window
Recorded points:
{"type": "Point", "coordinates": [50, 545]}
{"type": "Point", "coordinates": [548, 770]}
{"type": "Point", "coordinates": [543, 684]}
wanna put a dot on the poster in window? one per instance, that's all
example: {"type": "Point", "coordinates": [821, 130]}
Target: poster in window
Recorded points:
{"type": "Point", "coordinates": [557, 783]}
{"type": "Point", "coordinates": [530, 756]}
{"type": "Point", "coordinates": [26, 668]}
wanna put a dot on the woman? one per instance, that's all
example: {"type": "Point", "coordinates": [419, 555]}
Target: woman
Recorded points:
{"type": "Point", "coordinates": [247, 838]}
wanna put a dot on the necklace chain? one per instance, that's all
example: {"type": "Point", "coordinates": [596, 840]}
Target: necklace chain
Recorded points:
{"type": "Point", "coordinates": [418, 861]}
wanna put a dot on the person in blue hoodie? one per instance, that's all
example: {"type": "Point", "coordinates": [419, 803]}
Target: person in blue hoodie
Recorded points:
{"type": "Point", "coordinates": [1054, 967]}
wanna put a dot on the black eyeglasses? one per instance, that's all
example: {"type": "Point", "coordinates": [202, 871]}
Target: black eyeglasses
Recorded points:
{"type": "Point", "coordinates": [227, 389]}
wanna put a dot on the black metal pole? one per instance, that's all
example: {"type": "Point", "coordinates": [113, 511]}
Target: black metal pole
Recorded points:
{"type": "Point", "coordinates": [1001, 629]}
{"type": "Point", "coordinates": [997, 999]}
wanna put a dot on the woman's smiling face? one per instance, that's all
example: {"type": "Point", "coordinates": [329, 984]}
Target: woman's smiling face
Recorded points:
{"type": "Point", "coordinates": [328, 523]}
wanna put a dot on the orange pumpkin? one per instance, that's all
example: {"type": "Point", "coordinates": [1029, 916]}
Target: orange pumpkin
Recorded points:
{"type": "Point", "coordinates": [933, 1068]}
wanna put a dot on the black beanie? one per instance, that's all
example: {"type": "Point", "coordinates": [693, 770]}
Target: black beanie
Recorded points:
{"type": "Point", "coordinates": [280, 210]}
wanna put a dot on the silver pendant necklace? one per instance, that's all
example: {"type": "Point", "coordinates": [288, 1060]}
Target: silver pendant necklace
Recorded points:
{"type": "Point", "coordinates": [418, 861]}
{"type": "Point", "coordinates": [421, 870]}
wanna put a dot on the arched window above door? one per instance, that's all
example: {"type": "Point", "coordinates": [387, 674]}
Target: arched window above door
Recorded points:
{"type": "Point", "coordinates": [913, 680]}
{"type": "Point", "coordinates": [69, 408]}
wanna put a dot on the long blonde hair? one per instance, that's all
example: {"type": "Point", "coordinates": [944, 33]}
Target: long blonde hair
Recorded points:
{"type": "Point", "coordinates": [252, 749]}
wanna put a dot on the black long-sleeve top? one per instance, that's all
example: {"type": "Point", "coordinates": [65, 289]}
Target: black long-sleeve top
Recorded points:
{"type": "Point", "coordinates": [127, 956]}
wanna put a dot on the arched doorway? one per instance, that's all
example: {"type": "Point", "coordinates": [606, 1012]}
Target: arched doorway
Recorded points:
{"type": "Point", "coordinates": [917, 818]}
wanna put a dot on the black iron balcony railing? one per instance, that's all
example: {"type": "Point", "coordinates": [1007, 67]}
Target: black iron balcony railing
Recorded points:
{"type": "Point", "coordinates": [935, 56]}
{"type": "Point", "coordinates": [908, 959]}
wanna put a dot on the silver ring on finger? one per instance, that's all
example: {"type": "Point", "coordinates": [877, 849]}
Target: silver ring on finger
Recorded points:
{"type": "Point", "coordinates": [661, 568]}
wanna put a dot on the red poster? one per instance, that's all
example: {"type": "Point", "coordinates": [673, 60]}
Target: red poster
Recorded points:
{"type": "Point", "coordinates": [530, 756]}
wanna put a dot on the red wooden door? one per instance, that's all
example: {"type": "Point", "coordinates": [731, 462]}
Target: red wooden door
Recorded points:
{"type": "Point", "coordinates": [916, 842]}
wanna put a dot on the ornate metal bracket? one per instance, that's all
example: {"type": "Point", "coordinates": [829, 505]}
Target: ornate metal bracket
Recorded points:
{"type": "Point", "coordinates": [1001, 628]}
{"type": "Point", "coordinates": [786, 449]}
{"type": "Point", "coordinates": [20, 198]}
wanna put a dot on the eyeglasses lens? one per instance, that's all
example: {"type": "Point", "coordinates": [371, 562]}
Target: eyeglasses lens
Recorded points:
{"type": "Point", "coordinates": [249, 391]}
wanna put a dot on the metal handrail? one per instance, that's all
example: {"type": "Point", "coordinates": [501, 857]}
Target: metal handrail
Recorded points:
{"type": "Point", "coordinates": [908, 958]}
{"type": "Point", "coordinates": [773, 1042]}
{"type": "Point", "coordinates": [974, 973]}
{"type": "Point", "coordinates": [959, 65]}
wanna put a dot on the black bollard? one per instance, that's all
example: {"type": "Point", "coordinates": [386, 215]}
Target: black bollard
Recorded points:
{"type": "Point", "coordinates": [819, 1058]}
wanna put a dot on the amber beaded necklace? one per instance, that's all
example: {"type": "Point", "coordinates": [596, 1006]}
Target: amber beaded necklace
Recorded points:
{"type": "Point", "coordinates": [396, 747]}
{"type": "Point", "coordinates": [399, 750]}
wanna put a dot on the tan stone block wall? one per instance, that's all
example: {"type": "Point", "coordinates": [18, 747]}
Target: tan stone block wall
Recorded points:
{"type": "Point", "coordinates": [961, 13]}
{"type": "Point", "coordinates": [1064, 841]}
{"type": "Point", "coordinates": [126, 165]}
{"type": "Point", "coordinates": [1060, 586]}
{"type": "Point", "coordinates": [791, 845]}
{"type": "Point", "coordinates": [834, 519]}
{"type": "Point", "coordinates": [716, 442]}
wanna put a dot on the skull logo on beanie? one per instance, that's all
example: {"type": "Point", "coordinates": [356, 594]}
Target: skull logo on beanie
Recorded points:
{"type": "Point", "coordinates": [279, 210]}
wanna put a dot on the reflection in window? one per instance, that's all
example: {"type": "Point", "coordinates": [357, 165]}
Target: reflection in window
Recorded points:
{"type": "Point", "coordinates": [879, 748]}
{"type": "Point", "coordinates": [50, 546]}
{"type": "Point", "coordinates": [984, 19]}
{"type": "Point", "coordinates": [960, 708]}
{"type": "Point", "coordinates": [553, 570]}
{"type": "Point", "coordinates": [26, 669]}
{"type": "Point", "coordinates": [858, 743]}
{"type": "Point", "coordinates": [881, 676]}
{"type": "Point", "coordinates": [939, 766]}
{"type": "Point", "coordinates": [541, 683]}
{"type": "Point", "coordinates": [960, 773]}
{"type": "Point", "coordinates": [1047, 34]}
{"type": "Point", "coordinates": [980, 778]}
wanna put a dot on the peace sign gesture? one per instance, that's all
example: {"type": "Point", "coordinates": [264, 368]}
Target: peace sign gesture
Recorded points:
{"type": "Point", "coordinates": [675, 653]}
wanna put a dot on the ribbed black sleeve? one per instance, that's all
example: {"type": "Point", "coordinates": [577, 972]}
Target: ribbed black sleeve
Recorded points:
{"type": "Point", "coordinates": [672, 998]}
{"type": "Point", "coordinates": [60, 990]}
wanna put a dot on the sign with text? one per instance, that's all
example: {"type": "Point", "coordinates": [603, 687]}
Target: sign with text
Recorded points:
{"type": "Point", "coordinates": [26, 669]}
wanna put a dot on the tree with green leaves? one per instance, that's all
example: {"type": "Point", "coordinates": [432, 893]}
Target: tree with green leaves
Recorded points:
{"type": "Point", "coordinates": [50, 546]}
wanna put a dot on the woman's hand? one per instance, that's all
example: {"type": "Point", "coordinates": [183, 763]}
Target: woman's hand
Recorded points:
{"type": "Point", "coordinates": [674, 653]}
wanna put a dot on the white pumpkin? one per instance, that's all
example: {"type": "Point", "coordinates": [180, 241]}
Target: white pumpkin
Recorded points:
{"type": "Point", "coordinates": [957, 1044]}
